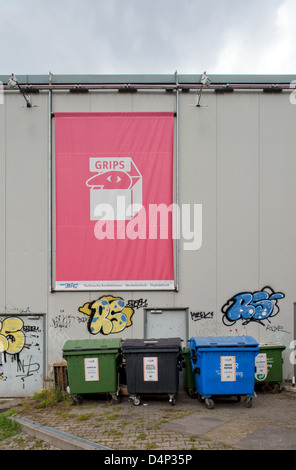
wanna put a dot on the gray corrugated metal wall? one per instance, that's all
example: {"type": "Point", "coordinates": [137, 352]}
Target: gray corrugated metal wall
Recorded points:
{"type": "Point", "coordinates": [236, 158]}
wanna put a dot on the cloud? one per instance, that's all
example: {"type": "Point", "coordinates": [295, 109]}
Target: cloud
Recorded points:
{"type": "Point", "coordinates": [151, 36]}
{"type": "Point", "coordinates": [280, 57]}
{"type": "Point", "coordinates": [261, 44]}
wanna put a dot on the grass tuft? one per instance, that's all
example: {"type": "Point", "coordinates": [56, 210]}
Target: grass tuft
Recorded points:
{"type": "Point", "coordinates": [8, 426]}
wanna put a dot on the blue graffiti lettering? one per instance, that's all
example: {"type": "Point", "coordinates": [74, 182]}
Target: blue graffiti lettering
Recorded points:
{"type": "Point", "coordinates": [251, 306]}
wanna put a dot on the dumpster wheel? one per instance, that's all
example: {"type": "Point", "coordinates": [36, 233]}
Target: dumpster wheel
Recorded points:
{"type": "Point", "coordinates": [76, 399]}
{"type": "Point", "coordinates": [172, 399]}
{"type": "Point", "coordinates": [210, 404]}
{"type": "Point", "coordinates": [200, 398]}
{"type": "Point", "coordinates": [115, 399]}
{"type": "Point", "coordinates": [136, 400]}
{"type": "Point", "coordinates": [248, 402]}
{"type": "Point", "coordinates": [277, 387]}
{"type": "Point", "coordinates": [192, 392]}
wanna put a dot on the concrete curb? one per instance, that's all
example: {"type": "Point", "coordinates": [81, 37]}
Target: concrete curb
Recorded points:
{"type": "Point", "coordinates": [59, 439]}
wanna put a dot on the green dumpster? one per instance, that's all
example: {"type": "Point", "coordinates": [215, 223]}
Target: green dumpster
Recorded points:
{"type": "Point", "coordinates": [189, 375]}
{"type": "Point", "coordinates": [269, 365]}
{"type": "Point", "coordinates": [93, 366]}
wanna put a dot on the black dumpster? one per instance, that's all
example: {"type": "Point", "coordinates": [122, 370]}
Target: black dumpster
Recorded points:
{"type": "Point", "coordinates": [152, 367]}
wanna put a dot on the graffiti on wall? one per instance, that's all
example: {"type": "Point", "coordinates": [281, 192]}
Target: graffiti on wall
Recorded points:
{"type": "Point", "coordinates": [257, 306]}
{"type": "Point", "coordinates": [20, 354]}
{"type": "Point", "coordinates": [201, 315]}
{"type": "Point", "coordinates": [12, 337]}
{"type": "Point", "coordinates": [137, 303]}
{"type": "Point", "coordinates": [107, 315]}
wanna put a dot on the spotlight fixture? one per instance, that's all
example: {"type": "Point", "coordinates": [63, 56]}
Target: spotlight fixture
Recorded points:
{"type": "Point", "coordinates": [205, 81]}
{"type": "Point", "coordinates": [12, 82]}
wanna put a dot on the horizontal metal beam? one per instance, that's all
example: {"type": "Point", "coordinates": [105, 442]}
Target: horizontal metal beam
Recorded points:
{"type": "Point", "coordinates": [148, 82]}
{"type": "Point", "coordinates": [32, 88]}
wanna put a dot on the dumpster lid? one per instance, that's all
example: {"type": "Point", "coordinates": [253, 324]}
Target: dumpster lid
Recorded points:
{"type": "Point", "coordinates": [153, 343]}
{"type": "Point", "coordinates": [81, 345]}
{"type": "Point", "coordinates": [223, 341]}
{"type": "Point", "coordinates": [272, 346]}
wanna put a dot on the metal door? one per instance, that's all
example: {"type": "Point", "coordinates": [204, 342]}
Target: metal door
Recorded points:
{"type": "Point", "coordinates": [166, 323]}
{"type": "Point", "coordinates": [21, 355]}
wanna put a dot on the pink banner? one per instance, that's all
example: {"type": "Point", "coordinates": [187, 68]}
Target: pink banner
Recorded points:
{"type": "Point", "coordinates": [114, 190]}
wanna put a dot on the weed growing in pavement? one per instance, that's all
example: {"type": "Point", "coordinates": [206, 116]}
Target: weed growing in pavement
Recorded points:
{"type": "Point", "coordinates": [8, 426]}
{"type": "Point", "coordinates": [43, 399]}
{"type": "Point", "coordinates": [114, 432]}
{"type": "Point", "coordinates": [126, 423]}
{"type": "Point", "coordinates": [114, 416]}
{"type": "Point", "coordinates": [50, 397]}
{"type": "Point", "coordinates": [84, 416]}
{"type": "Point", "coordinates": [151, 446]}
{"type": "Point", "coordinates": [158, 424]}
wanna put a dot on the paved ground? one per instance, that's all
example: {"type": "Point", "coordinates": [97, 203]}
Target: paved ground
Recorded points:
{"type": "Point", "coordinates": [156, 425]}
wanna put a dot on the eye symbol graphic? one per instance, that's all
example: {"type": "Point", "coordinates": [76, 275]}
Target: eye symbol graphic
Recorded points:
{"type": "Point", "coordinates": [110, 180]}
{"type": "Point", "coordinates": [114, 178]}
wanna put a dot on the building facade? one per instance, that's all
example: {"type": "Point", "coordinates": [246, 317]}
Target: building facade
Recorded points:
{"type": "Point", "coordinates": [199, 181]}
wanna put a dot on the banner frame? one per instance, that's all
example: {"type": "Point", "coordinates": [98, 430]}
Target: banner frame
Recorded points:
{"type": "Point", "coordinates": [102, 286]}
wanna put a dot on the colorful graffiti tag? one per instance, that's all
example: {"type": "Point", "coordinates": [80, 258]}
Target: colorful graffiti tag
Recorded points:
{"type": "Point", "coordinates": [251, 306]}
{"type": "Point", "coordinates": [107, 315]}
{"type": "Point", "coordinates": [12, 338]}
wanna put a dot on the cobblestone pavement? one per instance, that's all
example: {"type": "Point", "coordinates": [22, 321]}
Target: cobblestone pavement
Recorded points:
{"type": "Point", "coordinates": [157, 425]}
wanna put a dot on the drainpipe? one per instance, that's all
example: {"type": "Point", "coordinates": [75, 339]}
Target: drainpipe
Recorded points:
{"type": "Point", "coordinates": [50, 186]}
{"type": "Point", "coordinates": [177, 221]}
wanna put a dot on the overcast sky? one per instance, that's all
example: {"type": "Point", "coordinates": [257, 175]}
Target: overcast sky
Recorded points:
{"type": "Point", "coordinates": [148, 36]}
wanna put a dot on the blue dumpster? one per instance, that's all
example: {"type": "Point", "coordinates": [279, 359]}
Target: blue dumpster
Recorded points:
{"type": "Point", "coordinates": [224, 366]}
